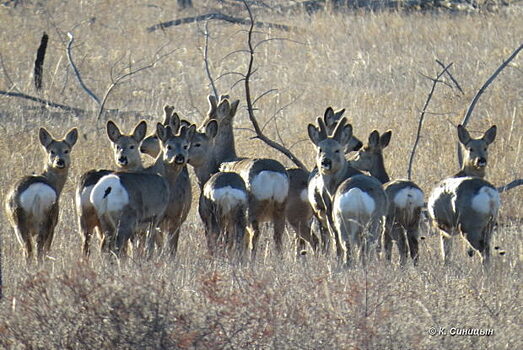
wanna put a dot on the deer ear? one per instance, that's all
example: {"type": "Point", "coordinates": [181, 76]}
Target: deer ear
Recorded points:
{"type": "Point", "coordinates": [113, 132]}
{"type": "Point", "coordinates": [45, 137]}
{"type": "Point", "coordinates": [139, 131]}
{"type": "Point", "coordinates": [234, 108]}
{"type": "Point", "coordinates": [211, 128]}
{"type": "Point", "coordinates": [190, 130]}
{"type": "Point", "coordinates": [490, 135]}
{"type": "Point", "coordinates": [161, 132]}
{"type": "Point", "coordinates": [374, 139]}
{"type": "Point", "coordinates": [463, 135]}
{"type": "Point", "coordinates": [71, 137]}
{"type": "Point", "coordinates": [385, 138]}
{"type": "Point", "coordinates": [314, 134]}
{"type": "Point", "coordinates": [175, 122]}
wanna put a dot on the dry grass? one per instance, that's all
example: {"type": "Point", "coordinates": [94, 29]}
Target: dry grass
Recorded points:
{"type": "Point", "coordinates": [367, 63]}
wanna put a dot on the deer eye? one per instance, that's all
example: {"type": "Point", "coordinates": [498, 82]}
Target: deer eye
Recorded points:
{"type": "Point", "coordinates": [185, 146]}
{"type": "Point", "coordinates": [169, 147]}
{"type": "Point", "coordinates": [66, 151]}
{"type": "Point", "coordinates": [131, 147]}
{"type": "Point", "coordinates": [337, 151]}
{"type": "Point", "coordinates": [53, 153]}
{"type": "Point", "coordinates": [197, 145]}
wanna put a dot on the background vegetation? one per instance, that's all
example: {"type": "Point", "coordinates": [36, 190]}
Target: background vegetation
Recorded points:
{"type": "Point", "coordinates": [372, 63]}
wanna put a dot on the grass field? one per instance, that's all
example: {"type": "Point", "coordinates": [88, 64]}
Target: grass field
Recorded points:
{"type": "Point", "coordinates": [373, 64]}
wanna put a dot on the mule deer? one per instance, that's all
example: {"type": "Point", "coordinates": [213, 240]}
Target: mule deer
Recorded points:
{"type": "Point", "coordinates": [32, 204]}
{"type": "Point", "coordinates": [127, 157]}
{"type": "Point", "coordinates": [266, 180]}
{"type": "Point", "coordinates": [354, 203]}
{"type": "Point", "coordinates": [406, 199]}
{"type": "Point", "coordinates": [466, 204]}
{"type": "Point", "coordinates": [128, 202]}
{"type": "Point", "coordinates": [180, 190]}
{"type": "Point", "coordinates": [223, 200]}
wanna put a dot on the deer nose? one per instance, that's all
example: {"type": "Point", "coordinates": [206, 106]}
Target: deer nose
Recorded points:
{"type": "Point", "coordinates": [179, 159]}
{"type": "Point", "coordinates": [122, 160]}
{"type": "Point", "coordinates": [60, 163]}
{"type": "Point", "coordinates": [481, 162]}
{"type": "Point", "coordinates": [326, 163]}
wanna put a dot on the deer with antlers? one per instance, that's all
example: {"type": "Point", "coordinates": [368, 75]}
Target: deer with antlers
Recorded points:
{"type": "Point", "coordinates": [32, 204]}
{"type": "Point", "coordinates": [466, 204]}
{"type": "Point", "coordinates": [355, 204]}
{"type": "Point", "coordinates": [266, 180]}
{"type": "Point", "coordinates": [127, 203]}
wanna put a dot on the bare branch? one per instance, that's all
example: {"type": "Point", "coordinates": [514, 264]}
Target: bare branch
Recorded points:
{"type": "Point", "coordinates": [250, 109]}
{"type": "Point", "coordinates": [42, 101]}
{"type": "Point", "coordinates": [216, 16]}
{"type": "Point", "coordinates": [511, 185]}
{"type": "Point", "coordinates": [481, 91]}
{"type": "Point", "coordinates": [262, 95]}
{"type": "Point", "coordinates": [422, 117]}
{"type": "Point", "coordinates": [451, 77]}
{"type": "Point", "coordinates": [13, 85]}
{"type": "Point", "coordinates": [77, 72]}
{"type": "Point", "coordinates": [206, 60]}
{"type": "Point", "coordinates": [122, 77]}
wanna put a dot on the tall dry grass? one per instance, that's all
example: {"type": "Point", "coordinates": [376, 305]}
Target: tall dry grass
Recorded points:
{"type": "Point", "coordinates": [370, 63]}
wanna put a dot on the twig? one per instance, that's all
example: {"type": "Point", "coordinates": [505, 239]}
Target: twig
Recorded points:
{"type": "Point", "coordinates": [77, 72]}
{"type": "Point", "coordinates": [511, 185]}
{"type": "Point", "coordinates": [481, 91]}
{"type": "Point", "coordinates": [13, 85]}
{"type": "Point", "coordinates": [42, 101]}
{"type": "Point", "coordinates": [216, 16]}
{"type": "Point", "coordinates": [250, 109]}
{"type": "Point", "coordinates": [451, 77]}
{"type": "Point", "coordinates": [422, 117]}
{"type": "Point", "coordinates": [206, 60]}
{"type": "Point", "coordinates": [120, 79]}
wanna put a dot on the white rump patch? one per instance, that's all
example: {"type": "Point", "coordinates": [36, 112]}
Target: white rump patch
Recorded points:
{"type": "Point", "coordinates": [355, 201]}
{"type": "Point", "coordinates": [304, 195]}
{"type": "Point", "coordinates": [486, 201]}
{"type": "Point", "coordinates": [270, 185]}
{"type": "Point", "coordinates": [38, 198]}
{"type": "Point", "coordinates": [226, 197]}
{"type": "Point", "coordinates": [409, 197]}
{"type": "Point", "coordinates": [85, 196]}
{"type": "Point", "coordinates": [109, 195]}
{"type": "Point", "coordinates": [448, 186]}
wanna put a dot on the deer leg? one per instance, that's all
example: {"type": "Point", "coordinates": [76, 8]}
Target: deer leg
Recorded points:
{"type": "Point", "coordinates": [446, 248]}
{"type": "Point", "coordinates": [279, 227]}
{"type": "Point", "coordinates": [387, 243]}
{"type": "Point", "coordinates": [412, 236]}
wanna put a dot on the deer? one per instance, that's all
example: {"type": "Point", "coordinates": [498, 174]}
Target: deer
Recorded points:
{"type": "Point", "coordinates": [266, 180]}
{"type": "Point", "coordinates": [129, 202]}
{"type": "Point", "coordinates": [223, 201]}
{"type": "Point", "coordinates": [465, 204]}
{"type": "Point", "coordinates": [355, 204]}
{"type": "Point", "coordinates": [32, 204]}
{"type": "Point", "coordinates": [181, 190]}
{"type": "Point", "coordinates": [322, 182]}
{"type": "Point", "coordinates": [299, 209]}
{"type": "Point", "coordinates": [127, 157]}
{"type": "Point", "coordinates": [406, 199]}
